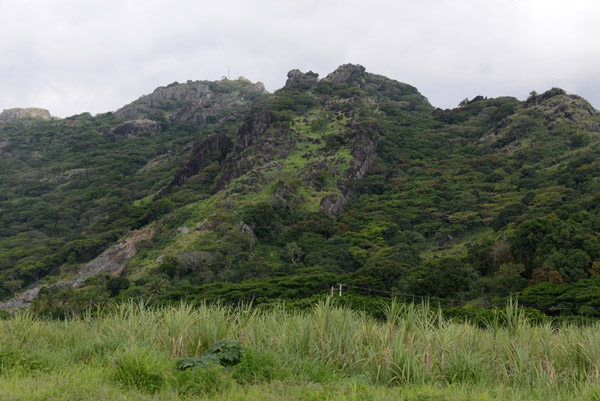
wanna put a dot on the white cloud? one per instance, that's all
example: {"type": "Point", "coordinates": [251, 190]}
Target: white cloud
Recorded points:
{"type": "Point", "coordinates": [71, 56]}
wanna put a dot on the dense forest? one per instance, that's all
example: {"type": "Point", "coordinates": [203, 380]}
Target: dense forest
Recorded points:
{"type": "Point", "coordinates": [221, 191]}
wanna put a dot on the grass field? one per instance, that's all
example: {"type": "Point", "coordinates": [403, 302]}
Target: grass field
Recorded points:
{"type": "Point", "coordinates": [328, 353]}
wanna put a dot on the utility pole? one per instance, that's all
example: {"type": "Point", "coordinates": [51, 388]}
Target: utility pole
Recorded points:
{"type": "Point", "coordinates": [340, 284]}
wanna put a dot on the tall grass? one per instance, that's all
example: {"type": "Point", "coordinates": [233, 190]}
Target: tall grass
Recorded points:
{"type": "Point", "coordinates": [136, 345]}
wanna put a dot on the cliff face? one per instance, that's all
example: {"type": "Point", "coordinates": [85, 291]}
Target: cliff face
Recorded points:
{"type": "Point", "coordinates": [211, 150]}
{"type": "Point", "coordinates": [363, 156]}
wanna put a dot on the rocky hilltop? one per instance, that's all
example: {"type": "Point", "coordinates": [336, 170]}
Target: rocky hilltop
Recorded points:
{"type": "Point", "coordinates": [19, 113]}
{"type": "Point", "coordinates": [269, 145]}
{"type": "Point", "coordinates": [195, 102]}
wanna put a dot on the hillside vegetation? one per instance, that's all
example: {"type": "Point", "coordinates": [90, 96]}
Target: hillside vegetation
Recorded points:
{"type": "Point", "coordinates": [221, 191]}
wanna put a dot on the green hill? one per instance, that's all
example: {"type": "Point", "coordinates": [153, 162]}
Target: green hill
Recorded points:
{"type": "Point", "coordinates": [222, 191]}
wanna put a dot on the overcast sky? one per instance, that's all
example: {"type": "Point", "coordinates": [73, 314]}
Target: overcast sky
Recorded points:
{"type": "Point", "coordinates": [72, 56]}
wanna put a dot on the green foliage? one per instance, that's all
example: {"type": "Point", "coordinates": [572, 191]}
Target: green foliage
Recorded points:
{"type": "Point", "coordinates": [508, 214]}
{"type": "Point", "coordinates": [15, 359]}
{"type": "Point", "coordinates": [206, 382]}
{"type": "Point", "coordinates": [445, 277]}
{"type": "Point", "coordinates": [508, 279]}
{"type": "Point", "coordinates": [117, 284]}
{"type": "Point", "coordinates": [61, 302]}
{"type": "Point", "coordinates": [141, 368]}
{"type": "Point", "coordinates": [318, 125]}
{"type": "Point", "coordinates": [223, 353]}
{"type": "Point", "coordinates": [478, 202]}
{"type": "Point", "coordinates": [325, 352]}
{"type": "Point", "coordinates": [254, 369]}
{"type": "Point", "coordinates": [543, 295]}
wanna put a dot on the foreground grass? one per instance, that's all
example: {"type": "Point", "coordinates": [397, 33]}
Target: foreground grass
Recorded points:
{"type": "Point", "coordinates": [329, 353]}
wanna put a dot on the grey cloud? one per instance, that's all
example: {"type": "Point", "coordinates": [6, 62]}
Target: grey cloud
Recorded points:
{"type": "Point", "coordinates": [70, 56]}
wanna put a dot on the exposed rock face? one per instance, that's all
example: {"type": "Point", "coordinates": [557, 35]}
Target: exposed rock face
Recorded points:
{"type": "Point", "coordinates": [15, 114]}
{"type": "Point", "coordinates": [134, 128]}
{"type": "Point", "coordinates": [211, 150]}
{"type": "Point", "coordinates": [258, 87]}
{"type": "Point", "coordinates": [20, 300]}
{"type": "Point", "coordinates": [220, 149]}
{"type": "Point", "coordinates": [555, 104]}
{"type": "Point", "coordinates": [174, 93]}
{"type": "Point", "coordinates": [299, 80]}
{"type": "Point", "coordinates": [363, 156]}
{"type": "Point", "coordinates": [260, 141]}
{"type": "Point", "coordinates": [348, 74]}
{"type": "Point", "coordinates": [111, 261]}
{"type": "Point", "coordinates": [194, 102]}
{"type": "Point", "coordinates": [539, 99]}
{"type": "Point", "coordinates": [252, 129]}
{"type": "Point", "coordinates": [114, 259]}
{"type": "Point", "coordinates": [249, 136]}
{"type": "Point", "coordinates": [405, 96]}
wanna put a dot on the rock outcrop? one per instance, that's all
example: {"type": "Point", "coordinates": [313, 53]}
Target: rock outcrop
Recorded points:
{"type": "Point", "coordinates": [405, 96]}
{"type": "Point", "coordinates": [134, 128]}
{"type": "Point", "coordinates": [363, 156]}
{"type": "Point", "coordinates": [195, 102]}
{"type": "Point", "coordinates": [18, 113]}
{"type": "Point", "coordinates": [21, 300]}
{"type": "Point", "coordinates": [220, 149]}
{"type": "Point", "coordinates": [556, 105]}
{"type": "Point", "coordinates": [173, 95]}
{"type": "Point", "coordinates": [536, 100]}
{"type": "Point", "coordinates": [296, 79]}
{"type": "Point", "coordinates": [211, 150]}
{"type": "Point", "coordinates": [348, 74]}
{"type": "Point", "coordinates": [112, 261]}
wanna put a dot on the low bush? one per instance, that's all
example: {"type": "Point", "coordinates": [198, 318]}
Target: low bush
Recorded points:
{"type": "Point", "coordinates": [206, 381]}
{"type": "Point", "coordinates": [139, 367]}
{"type": "Point", "coordinates": [257, 368]}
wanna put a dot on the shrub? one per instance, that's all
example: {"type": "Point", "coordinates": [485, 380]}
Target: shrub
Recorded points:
{"type": "Point", "coordinates": [116, 284]}
{"type": "Point", "coordinates": [139, 367]}
{"type": "Point", "coordinates": [203, 381]}
{"type": "Point", "coordinates": [222, 353]}
{"type": "Point", "coordinates": [255, 368]}
{"type": "Point", "coordinates": [18, 360]}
